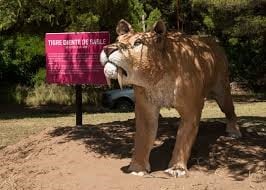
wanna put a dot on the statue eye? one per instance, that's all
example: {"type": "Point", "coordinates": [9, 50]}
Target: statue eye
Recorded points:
{"type": "Point", "coordinates": [123, 46]}
{"type": "Point", "coordinates": [137, 42]}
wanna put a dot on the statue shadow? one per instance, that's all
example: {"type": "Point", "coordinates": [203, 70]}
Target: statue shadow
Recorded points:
{"type": "Point", "coordinates": [212, 149]}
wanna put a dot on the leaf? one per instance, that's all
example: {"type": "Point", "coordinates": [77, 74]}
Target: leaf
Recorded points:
{"type": "Point", "coordinates": [19, 3]}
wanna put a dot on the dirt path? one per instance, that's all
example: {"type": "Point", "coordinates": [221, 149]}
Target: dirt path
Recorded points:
{"type": "Point", "coordinates": [97, 156]}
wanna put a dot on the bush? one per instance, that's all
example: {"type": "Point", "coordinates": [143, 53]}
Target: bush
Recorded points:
{"type": "Point", "coordinates": [154, 16]}
{"type": "Point", "coordinates": [21, 56]}
{"type": "Point", "coordinates": [13, 94]}
{"type": "Point", "coordinates": [39, 77]}
{"type": "Point", "coordinates": [50, 94]}
{"type": "Point", "coordinates": [45, 94]}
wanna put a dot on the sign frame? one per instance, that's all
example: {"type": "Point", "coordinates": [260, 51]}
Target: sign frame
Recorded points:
{"type": "Point", "coordinates": [73, 57]}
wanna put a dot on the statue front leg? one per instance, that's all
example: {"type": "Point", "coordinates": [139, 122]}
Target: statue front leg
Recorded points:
{"type": "Point", "coordinates": [146, 115]}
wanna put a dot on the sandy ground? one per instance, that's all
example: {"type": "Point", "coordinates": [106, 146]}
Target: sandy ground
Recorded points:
{"type": "Point", "coordinates": [97, 156]}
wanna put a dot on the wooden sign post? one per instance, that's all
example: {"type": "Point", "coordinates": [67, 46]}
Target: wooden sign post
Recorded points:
{"type": "Point", "coordinates": [78, 89]}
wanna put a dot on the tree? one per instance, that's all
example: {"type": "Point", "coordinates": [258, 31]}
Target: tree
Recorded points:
{"type": "Point", "coordinates": [154, 16]}
{"type": "Point", "coordinates": [241, 27]}
{"type": "Point", "coordinates": [23, 21]}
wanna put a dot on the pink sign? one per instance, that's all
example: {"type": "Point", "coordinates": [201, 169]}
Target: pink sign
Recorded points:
{"type": "Point", "coordinates": [73, 58]}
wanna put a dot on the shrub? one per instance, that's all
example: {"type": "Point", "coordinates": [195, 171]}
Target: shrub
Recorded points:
{"type": "Point", "coordinates": [44, 94]}
{"type": "Point", "coordinates": [50, 94]}
{"type": "Point", "coordinates": [13, 94]}
{"type": "Point", "coordinates": [39, 77]}
{"type": "Point", "coordinates": [21, 56]}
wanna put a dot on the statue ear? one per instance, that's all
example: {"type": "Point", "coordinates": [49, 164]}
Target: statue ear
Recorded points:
{"type": "Point", "coordinates": [159, 27]}
{"type": "Point", "coordinates": [123, 27]}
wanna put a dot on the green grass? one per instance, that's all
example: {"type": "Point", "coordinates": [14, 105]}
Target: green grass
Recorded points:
{"type": "Point", "coordinates": [211, 110]}
{"type": "Point", "coordinates": [14, 127]}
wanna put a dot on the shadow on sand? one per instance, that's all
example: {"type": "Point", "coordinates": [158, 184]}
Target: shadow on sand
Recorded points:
{"type": "Point", "coordinates": [211, 150]}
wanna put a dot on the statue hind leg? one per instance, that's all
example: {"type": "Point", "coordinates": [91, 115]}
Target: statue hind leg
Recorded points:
{"type": "Point", "coordinates": [223, 97]}
{"type": "Point", "coordinates": [186, 135]}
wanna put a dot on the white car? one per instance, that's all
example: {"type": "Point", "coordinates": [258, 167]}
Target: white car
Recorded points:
{"type": "Point", "coordinates": [119, 99]}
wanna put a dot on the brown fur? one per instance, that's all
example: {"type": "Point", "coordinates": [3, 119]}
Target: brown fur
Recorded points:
{"type": "Point", "coordinates": [172, 70]}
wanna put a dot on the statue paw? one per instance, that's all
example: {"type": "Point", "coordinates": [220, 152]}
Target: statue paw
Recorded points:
{"type": "Point", "coordinates": [176, 172]}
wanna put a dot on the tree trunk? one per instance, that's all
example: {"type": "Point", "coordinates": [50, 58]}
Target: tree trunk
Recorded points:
{"type": "Point", "coordinates": [177, 15]}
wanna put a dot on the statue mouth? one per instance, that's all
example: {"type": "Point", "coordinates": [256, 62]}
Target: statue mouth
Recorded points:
{"type": "Point", "coordinates": [113, 71]}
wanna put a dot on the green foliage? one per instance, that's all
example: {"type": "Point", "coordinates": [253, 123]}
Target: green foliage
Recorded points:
{"type": "Point", "coordinates": [24, 22]}
{"type": "Point", "coordinates": [85, 22]}
{"type": "Point", "coordinates": [51, 94]}
{"type": "Point", "coordinates": [154, 16]}
{"type": "Point", "coordinates": [28, 47]}
{"type": "Point", "coordinates": [19, 94]}
{"type": "Point", "coordinates": [44, 94]}
{"type": "Point", "coordinates": [247, 26]}
{"type": "Point", "coordinates": [135, 14]}
{"type": "Point", "coordinates": [225, 4]}
{"type": "Point", "coordinates": [55, 15]}
{"type": "Point", "coordinates": [21, 56]}
{"type": "Point", "coordinates": [167, 10]}
{"type": "Point", "coordinates": [13, 94]}
{"type": "Point", "coordinates": [208, 22]}
{"type": "Point", "coordinates": [9, 13]}
{"type": "Point", "coordinates": [39, 77]}
{"type": "Point", "coordinates": [240, 25]}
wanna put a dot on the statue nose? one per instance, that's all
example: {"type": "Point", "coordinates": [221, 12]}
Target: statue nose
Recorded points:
{"type": "Point", "coordinates": [109, 50]}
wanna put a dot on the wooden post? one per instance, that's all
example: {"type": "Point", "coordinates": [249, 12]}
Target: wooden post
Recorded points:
{"type": "Point", "coordinates": [143, 23]}
{"type": "Point", "coordinates": [78, 88]}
